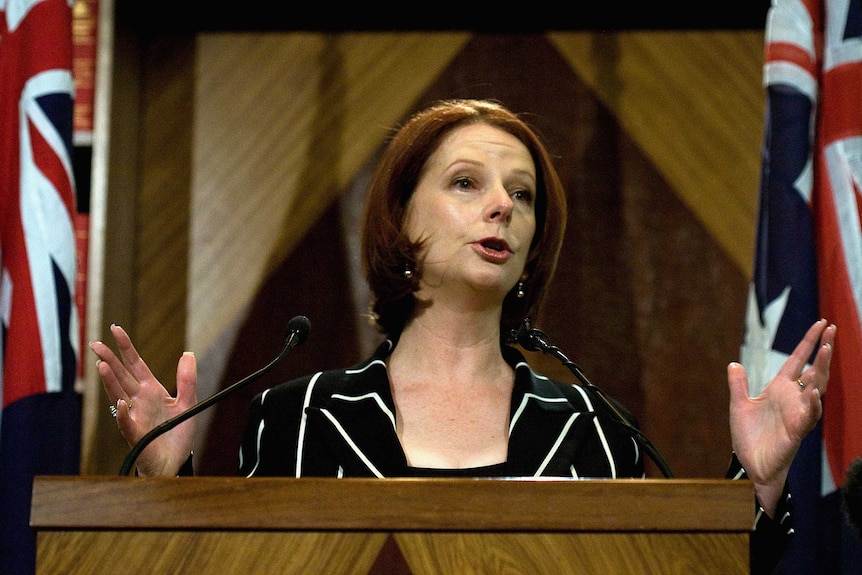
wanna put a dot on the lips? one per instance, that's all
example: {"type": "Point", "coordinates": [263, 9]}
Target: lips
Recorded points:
{"type": "Point", "coordinates": [493, 249]}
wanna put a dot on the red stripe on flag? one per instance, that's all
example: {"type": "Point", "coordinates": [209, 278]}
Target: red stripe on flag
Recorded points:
{"type": "Point", "coordinates": [836, 205]}
{"type": "Point", "coordinates": [23, 363]}
{"type": "Point", "coordinates": [842, 118]}
{"type": "Point", "coordinates": [842, 417]}
{"type": "Point", "coordinates": [41, 42]}
{"type": "Point", "coordinates": [789, 52]}
{"type": "Point", "coordinates": [51, 167]}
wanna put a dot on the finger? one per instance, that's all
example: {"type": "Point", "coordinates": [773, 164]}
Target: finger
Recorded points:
{"type": "Point", "coordinates": [135, 365]}
{"type": "Point", "coordinates": [124, 418]}
{"type": "Point", "coordinates": [737, 380]}
{"type": "Point", "coordinates": [822, 361]}
{"type": "Point", "coordinates": [187, 377]}
{"type": "Point", "coordinates": [122, 382]}
{"type": "Point", "coordinates": [815, 408]}
{"type": "Point", "coordinates": [107, 366]}
{"type": "Point", "coordinates": [797, 361]}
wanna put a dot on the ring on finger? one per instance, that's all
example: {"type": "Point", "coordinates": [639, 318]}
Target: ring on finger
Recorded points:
{"type": "Point", "coordinates": [113, 410]}
{"type": "Point", "coordinates": [801, 383]}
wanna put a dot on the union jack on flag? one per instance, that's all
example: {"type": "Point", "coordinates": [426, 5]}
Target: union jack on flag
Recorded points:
{"type": "Point", "coordinates": [40, 417]}
{"type": "Point", "coordinates": [808, 253]}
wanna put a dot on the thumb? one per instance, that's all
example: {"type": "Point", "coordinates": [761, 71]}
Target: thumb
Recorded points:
{"type": "Point", "coordinates": [737, 381]}
{"type": "Point", "coordinates": [187, 379]}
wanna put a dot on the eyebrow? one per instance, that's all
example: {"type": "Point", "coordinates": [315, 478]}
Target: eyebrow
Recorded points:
{"type": "Point", "coordinates": [528, 174]}
{"type": "Point", "coordinates": [519, 171]}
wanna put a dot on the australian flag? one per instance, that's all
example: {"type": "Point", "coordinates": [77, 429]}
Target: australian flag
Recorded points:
{"type": "Point", "coordinates": [808, 254]}
{"type": "Point", "coordinates": [40, 420]}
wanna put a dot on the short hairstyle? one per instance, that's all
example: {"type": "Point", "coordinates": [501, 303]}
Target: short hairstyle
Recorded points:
{"type": "Point", "coordinates": [387, 252]}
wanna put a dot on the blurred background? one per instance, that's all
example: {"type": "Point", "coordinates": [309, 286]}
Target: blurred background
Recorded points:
{"type": "Point", "coordinates": [231, 149]}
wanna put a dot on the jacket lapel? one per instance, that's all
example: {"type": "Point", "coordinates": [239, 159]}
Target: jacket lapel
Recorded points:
{"type": "Point", "coordinates": [546, 430]}
{"type": "Point", "coordinates": [355, 414]}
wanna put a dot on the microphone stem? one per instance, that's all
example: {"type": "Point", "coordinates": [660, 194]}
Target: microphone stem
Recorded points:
{"type": "Point", "coordinates": [292, 341]}
{"type": "Point", "coordinates": [540, 339]}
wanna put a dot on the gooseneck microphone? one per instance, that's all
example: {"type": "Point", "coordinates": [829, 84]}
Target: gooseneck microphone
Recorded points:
{"type": "Point", "coordinates": [533, 339]}
{"type": "Point", "coordinates": [296, 333]}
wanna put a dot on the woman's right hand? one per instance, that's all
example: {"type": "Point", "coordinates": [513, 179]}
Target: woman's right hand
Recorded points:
{"type": "Point", "coordinates": [142, 403]}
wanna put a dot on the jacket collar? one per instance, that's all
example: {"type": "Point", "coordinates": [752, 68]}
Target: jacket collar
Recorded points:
{"type": "Point", "coordinates": [544, 426]}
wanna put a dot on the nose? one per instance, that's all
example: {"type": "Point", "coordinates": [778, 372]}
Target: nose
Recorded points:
{"type": "Point", "coordinates": [500, 206]}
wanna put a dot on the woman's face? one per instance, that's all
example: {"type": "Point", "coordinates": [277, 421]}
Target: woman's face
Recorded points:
{"type": "Point", "coordinates": [474, 206]}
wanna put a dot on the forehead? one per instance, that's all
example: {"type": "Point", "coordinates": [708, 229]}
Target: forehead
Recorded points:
{"type": "Point", "coordinates": [482, 142]}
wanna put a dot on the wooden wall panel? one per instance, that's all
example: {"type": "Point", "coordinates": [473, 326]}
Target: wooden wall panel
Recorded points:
{"type": "Point", "coordinates": [693, 102]}
{"type": "Point", "coordinates": [282, 124]}
{"type": "Point", "coordinates": [144, 279]}
{"type": "Point", "coordinates": [163, 203]}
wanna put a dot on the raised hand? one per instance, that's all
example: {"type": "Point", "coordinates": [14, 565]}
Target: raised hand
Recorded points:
{"type": "Point", "coordinates": [767, 430]}
{"type": "Point", "coordinates": [142, 403]}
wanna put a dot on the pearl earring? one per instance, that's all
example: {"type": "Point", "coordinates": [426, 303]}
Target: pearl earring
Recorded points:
{"type": "Point", "coordinates": [520, 293]}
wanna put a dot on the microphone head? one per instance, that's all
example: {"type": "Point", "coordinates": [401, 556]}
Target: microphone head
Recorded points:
{"type": "Point", "coordinates": [525, 336]}
{"type": "Point", "coordinates": [532, 339]}
{"type": "Point", "coordinates": [518, 335]}
{"type": "Point", "coordinates": [297, 329]}
{"type": "Point", "coordinates": [528, 341]}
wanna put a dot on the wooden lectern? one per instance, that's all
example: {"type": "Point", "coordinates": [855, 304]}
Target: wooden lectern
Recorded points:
{"type": "Point", "coordinates": [221, 525]}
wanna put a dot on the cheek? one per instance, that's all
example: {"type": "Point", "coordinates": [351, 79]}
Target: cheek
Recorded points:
{"type": "Point", "coordinates": [450, 215]}
{"type": "Point", "coordinates": [435, 219]}
{"type": "Point", "coordinates": [527, 227]}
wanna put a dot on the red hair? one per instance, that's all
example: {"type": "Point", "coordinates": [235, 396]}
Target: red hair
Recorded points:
{"type": "Point", "coordinates": [387, 252]}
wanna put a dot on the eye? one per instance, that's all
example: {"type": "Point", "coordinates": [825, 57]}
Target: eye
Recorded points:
{"type": "Point", "coordinates": [464, 183]}
{"type": "Point", "coordinates": [523, 195]}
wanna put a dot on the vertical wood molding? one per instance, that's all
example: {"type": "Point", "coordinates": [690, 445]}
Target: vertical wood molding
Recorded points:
{"type": "Point", "coordinates": [89, 384]}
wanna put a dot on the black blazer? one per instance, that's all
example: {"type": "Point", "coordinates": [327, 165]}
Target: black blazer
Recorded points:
{"type": "Point", "coordinates": [341, 423]}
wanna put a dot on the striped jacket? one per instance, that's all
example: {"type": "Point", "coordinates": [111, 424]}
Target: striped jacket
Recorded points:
{"type": "Point", "coordinates": [341, 423]}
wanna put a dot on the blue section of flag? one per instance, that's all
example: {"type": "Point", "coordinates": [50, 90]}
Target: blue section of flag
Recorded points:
{"type": "Point", "coordinates": [784, 252]}
{"type": "Point", "coordinates": [41, 436]}
{"type": "Point", "coordinates": [65, 311]}
{"type": "Point", "coordinates": [785, 257]}
{"type": "Point", "coordinates": [58, 107]}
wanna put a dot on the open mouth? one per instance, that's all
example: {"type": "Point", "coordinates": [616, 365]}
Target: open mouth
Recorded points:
{"type": "Point", "coordinates": [495, 245]}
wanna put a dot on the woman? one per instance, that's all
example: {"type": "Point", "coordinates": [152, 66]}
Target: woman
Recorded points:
{"type": "Point", "coordinates": [463, 224]}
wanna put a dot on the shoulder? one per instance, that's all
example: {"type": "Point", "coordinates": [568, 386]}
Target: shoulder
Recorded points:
{"type": "Point", "coordinates": [322, 385]}
{"type": "Point", "coordinates": [528, 381]}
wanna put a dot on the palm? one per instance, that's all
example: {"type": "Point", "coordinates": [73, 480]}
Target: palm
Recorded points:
{"type": "Point", "coordinates": [767, 430]}
{"type": "Point", "coordinates": [143, 403]}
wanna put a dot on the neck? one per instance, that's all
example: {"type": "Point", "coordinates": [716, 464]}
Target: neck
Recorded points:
{"type": "Point", "coordinates": [461, 343]}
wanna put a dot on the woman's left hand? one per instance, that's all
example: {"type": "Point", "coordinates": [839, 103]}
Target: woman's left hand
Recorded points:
{"type": "Point", "coordinates": [767, 430]}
